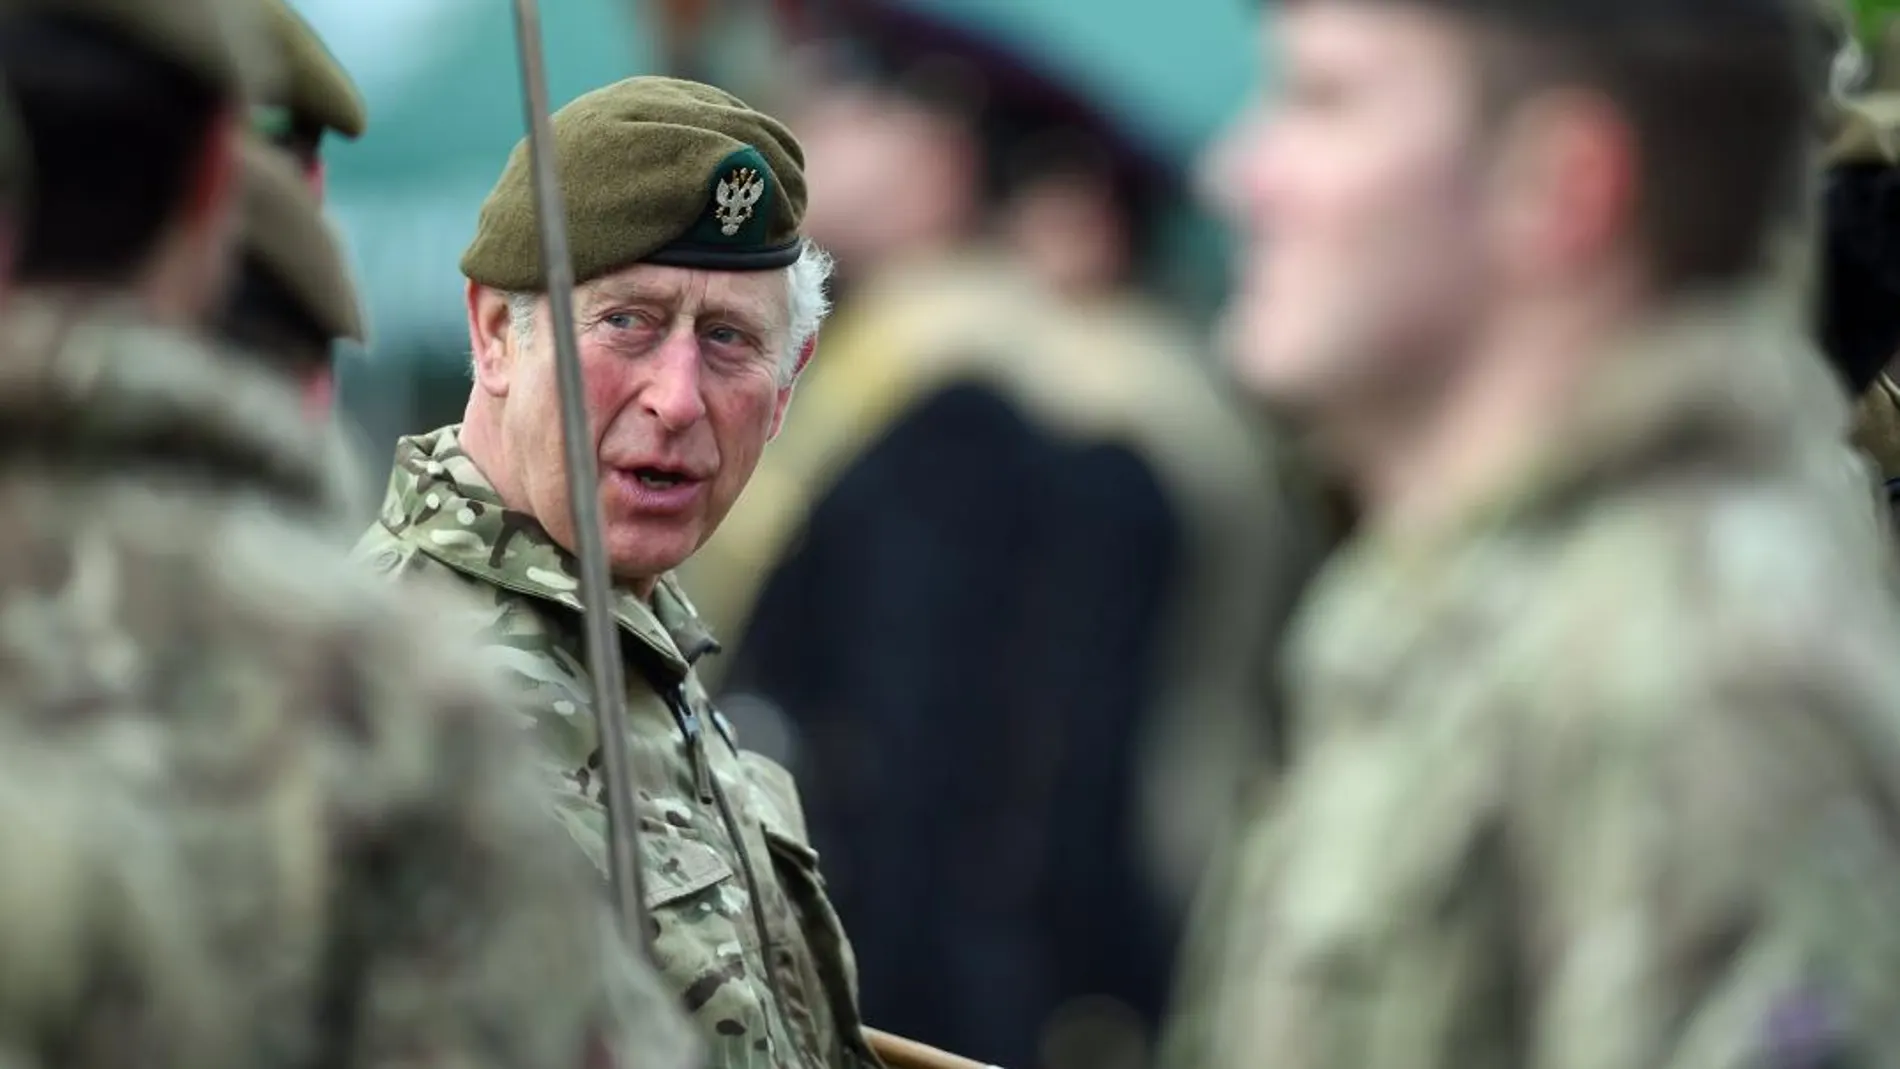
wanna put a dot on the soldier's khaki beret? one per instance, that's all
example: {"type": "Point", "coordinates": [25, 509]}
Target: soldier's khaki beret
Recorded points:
{"type": "Point", "coordinates": [317, 91]}
{"type": "Point", "coordinates": [222, 40]}
{"type": "Point", "coordinates": [287, 235]}
{"type": "Point", "coordinates": [653, 170]}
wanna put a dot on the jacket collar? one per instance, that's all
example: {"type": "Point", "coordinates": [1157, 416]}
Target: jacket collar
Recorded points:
{"type": "Point", "coordinates": [440, 502]}
{"type": "Point", "coordinates": [86, 383]}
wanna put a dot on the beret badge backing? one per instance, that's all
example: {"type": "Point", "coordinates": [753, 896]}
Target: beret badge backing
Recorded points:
{"type": "Point", "coordinates": [741, 196]}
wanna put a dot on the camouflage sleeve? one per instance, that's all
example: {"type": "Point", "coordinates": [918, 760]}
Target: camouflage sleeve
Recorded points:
{"type": "Point", "coordinates": [1709, 884]}
{"type": "Point", "coordinates": [473, 935]}
{"type": "Point", "coordinates": [100, 961]}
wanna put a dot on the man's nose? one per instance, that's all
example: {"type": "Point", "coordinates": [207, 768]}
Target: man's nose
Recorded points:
{"type": "Point", "coordinates": [672, 394]}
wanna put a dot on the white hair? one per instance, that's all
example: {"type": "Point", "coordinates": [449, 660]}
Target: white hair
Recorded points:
{"type": "Point", "coordinates": [807, 305]}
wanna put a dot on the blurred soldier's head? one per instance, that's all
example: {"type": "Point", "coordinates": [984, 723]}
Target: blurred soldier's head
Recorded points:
{"type": "Point", "coordinates": [906, 143]}
{"type": "Point", "coordinates": [956, 136]}
{"type": "Point", "coordinates": [132, 113]}
{"type": "Point", "coordinates": [1438, 182]}
{"type": "Point", "coordinates": [697, 303]}
{"type": "Point", "coordinates": [293, 297]}
{"type": "Point", "coordinates": [317, 98]}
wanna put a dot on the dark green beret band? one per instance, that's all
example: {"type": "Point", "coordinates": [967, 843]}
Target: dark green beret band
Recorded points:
{"type": "Point", "coordinates": [653, 170]}
{"type": "Point", "coordinates": [225, 41]}
{"type": "Point", "coordinates": [318, 91]}
{"type": "Point", "coordinates": [285, 232]}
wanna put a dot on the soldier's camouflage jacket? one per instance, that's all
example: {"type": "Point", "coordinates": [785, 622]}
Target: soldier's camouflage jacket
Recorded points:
{"type": "Point", "coordinates": [1604, 772]}
{"type": "Point", "coordinates": [743, 928]}
{"type": "Point", "coordinates": [295, 830]}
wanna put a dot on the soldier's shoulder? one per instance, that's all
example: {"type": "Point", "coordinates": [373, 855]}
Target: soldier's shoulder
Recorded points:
{"type": "Point", "coordinates": [235, 590]}
{"type": "Point", "coordinates": [1765, 588]}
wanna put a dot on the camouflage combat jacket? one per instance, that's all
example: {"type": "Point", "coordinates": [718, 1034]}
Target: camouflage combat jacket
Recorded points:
{"type": "Point", "coordinates": [300, 810]}
{"type": "Point", "coordinates": [1602, 770]}
{"type": "Point", "coordinates": [744, 929]}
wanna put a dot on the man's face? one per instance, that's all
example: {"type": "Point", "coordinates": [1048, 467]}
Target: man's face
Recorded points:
{"type": "Point", "coordinates": [682, 392]}
{"type": "Point", "coordinates": [1357, 190]}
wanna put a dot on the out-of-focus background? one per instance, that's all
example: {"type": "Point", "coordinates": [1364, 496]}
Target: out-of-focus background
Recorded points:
{"type": "Point", "coordinates": [1006, 592]}
{"type": "Point", "coordinates": [440, 79]}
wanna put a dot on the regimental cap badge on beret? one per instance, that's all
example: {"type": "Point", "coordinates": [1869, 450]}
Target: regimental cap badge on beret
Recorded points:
{"type": "Point", "coordinates": [737, 193]}
{"type": "Point", "coordinates": [734, 228]}
{"type": "Point", "coordinates": [741, 199]}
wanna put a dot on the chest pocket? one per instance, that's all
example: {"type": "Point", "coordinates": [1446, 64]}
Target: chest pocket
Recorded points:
{"type": "Point", "coordinates": [702, 938]}
{"type": "Point", "coordinates": [827, 972]}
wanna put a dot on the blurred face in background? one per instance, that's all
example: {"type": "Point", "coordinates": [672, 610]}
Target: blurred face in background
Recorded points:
{"type": "Point", "coordinates": [1358, 192]}
{"type": "Point", "coordinates": [888, 177]}
{"type": "Point", "coordinates": [1071, 230]}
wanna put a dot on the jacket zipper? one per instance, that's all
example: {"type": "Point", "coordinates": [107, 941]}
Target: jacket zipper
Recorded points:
{"type": "Point", "coordinates": [710, 791]}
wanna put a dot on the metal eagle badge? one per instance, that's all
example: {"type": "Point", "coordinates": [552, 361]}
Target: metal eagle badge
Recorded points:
{"type": "Point", "coordinates": [737, 195]}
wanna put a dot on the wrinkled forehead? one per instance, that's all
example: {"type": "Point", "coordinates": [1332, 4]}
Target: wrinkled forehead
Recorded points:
{"type": "Point", "coordinates": [761, 298]}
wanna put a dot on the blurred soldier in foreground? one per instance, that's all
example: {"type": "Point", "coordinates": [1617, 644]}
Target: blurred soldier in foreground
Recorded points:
{"type": "Point", "coordinates": [341, 823]}
{"type": "Point", "coordinates": [697, 303]}
{"type": "Point", "coordinates": [317, 98]}
{"type": "Point", "coordinates": [1599, 746]}
{"type": "Point", "coordinates": [294, 297]}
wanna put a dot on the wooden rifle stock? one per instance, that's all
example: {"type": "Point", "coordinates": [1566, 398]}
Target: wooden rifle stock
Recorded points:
{"type": "Point", "coordinates": [900, 1053]}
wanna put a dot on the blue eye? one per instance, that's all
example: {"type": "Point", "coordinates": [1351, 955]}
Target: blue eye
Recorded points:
{"type": "Point", "coordinates": [620, 321]}
{"type": "Point", "coordinates": [724, 336]}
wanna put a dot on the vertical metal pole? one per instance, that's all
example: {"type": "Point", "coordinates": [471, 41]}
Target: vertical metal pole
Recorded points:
{"type": "Point", "coordinates": [583, 487]}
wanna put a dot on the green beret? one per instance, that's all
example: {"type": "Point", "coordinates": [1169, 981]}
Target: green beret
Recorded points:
{"type": "Point", "coordinates": [653, 170]}
{"type": "Point", "coordinates": [319, 92]}
{"type": "Point", "coordinates": [224, 41]}
{"type": "Point", "coordinates": [285, 232]}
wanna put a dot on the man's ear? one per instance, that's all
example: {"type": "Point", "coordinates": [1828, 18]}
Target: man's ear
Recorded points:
{"type": "Point", "coordinates": [490, 338]}
{"type": "Point", "coordinates": [804, 356]}
{"type": "Point", "coordinates": [1567, 175]}
{"type": "Point", "coordinates": [785, 392]}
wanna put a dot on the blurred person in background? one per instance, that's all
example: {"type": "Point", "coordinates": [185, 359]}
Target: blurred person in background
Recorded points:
{"type": "Point", "coordinates": [293, 298]}
{"type": "Point", "coordinates": [317, 97]}
{"type": "Point", "coordinates": [1859, 280]}
{"type": "Point", "coordinates": [697, 301]}
{"type": "Point", "coordinates": [347, 852]}
{"type": "Point", "coordinates": [1006, 582]}
{"type": "Point", "coordinates": [315, 100]}
{"type": "Point", "coordinates": [1596, 760]}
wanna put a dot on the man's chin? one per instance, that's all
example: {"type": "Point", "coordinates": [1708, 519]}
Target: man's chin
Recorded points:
{"type": "Point", "coordinates": [644, 552]}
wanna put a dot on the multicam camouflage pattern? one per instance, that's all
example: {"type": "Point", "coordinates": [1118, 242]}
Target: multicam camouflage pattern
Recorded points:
{"type": "Point", "coordinates": [297, 802]}
{"type": "Point", "coordinates": [1603, 772]}
{"type": "Point", "coordinates": [1877, 433]}
{"type": "Point", "coordinates": [742, 926]}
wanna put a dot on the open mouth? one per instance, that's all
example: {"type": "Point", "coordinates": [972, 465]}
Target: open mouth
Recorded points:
{"type": "Point", "coordinates": [659, 478]}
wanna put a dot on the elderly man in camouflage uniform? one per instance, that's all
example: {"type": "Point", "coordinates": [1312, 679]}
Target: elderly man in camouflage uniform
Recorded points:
{"type": "Point", "coordinates": [697, 304]}
{"type": "Point", "coordinates": [1599, 717]}
{"type": "Point", "coordinates": [318, 840]}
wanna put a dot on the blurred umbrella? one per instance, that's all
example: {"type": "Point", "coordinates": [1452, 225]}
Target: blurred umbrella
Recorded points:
{"type": "Point", "coordinates": [1175, 72]}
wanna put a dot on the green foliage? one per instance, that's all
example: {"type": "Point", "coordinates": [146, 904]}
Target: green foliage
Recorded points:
{"type": "Point", "coordinates": [1871, 16]}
